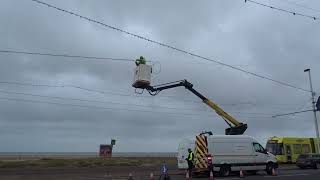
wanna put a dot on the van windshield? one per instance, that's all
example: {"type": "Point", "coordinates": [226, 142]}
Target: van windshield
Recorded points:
{"type": "Point", "coordinates": [275, 148]}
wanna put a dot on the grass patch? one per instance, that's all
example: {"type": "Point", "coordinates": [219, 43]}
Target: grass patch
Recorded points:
{"type": "Point", "coordinates": [92, 162]}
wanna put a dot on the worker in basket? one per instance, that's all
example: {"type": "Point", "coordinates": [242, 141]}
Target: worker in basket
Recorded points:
{"type": "Point", "coordinates": [190, 160]}
{"type": "Point", "coordinates": [141, 60]}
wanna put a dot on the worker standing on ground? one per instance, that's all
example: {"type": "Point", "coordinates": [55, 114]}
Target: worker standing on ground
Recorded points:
{"type": "Point", "coordinates": [190, 159]}
{"type": "Point", "coordinates": [141, 60]}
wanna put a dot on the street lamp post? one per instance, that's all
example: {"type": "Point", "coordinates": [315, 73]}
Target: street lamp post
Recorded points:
{"type": "Point", "coordinates": [314, 109]}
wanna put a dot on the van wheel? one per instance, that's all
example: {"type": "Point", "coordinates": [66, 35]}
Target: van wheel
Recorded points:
{"type": "Point", "coordinates": [316, 166]}
{"type": "Point", "coordinates": [225, 170]}
{"type": "Point", "coordinates": [196, 173]}
{"type": "Point", "coordinates": [269, 168]}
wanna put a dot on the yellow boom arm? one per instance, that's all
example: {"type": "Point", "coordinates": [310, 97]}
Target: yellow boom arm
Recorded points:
{"type": "Point", "coordinates": [236, 128]}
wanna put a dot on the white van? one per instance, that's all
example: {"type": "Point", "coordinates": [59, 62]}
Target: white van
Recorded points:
{"type": "Point", "coordinates": [232, 153]}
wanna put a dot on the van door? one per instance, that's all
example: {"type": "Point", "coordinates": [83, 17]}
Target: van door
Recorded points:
{"type": "Point", "coordinates": [184, 145]}
{"type": "Point", "coordinates": [260, 156]}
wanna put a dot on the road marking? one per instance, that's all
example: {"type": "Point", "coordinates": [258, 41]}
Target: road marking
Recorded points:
{"type": "Point", "coordinates": [287, 175]}
{"type": "Point", "coordinates": [284, 175]}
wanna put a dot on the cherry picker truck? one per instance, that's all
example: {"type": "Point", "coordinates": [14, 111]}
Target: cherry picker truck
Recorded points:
{"type": "Point", "coordinates": [203, 159]}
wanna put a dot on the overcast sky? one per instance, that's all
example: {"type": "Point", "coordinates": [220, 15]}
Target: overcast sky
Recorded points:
{"type": "Point", "coordinates": [258, 39]}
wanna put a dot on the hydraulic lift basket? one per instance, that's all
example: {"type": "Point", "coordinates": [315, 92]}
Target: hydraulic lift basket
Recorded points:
{"type": "Point", "coordinates": [142, 76]}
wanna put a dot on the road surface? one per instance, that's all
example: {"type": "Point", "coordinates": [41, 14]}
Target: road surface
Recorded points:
{"type": "Point", "coordinates": [292, 174]}
{"type": "Point", "coordinates": [101, 174]}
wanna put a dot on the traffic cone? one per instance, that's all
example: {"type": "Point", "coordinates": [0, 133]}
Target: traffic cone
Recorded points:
{"type": "Point", "coordinates": [151, 176]}
{"type": "Point", "coordinates": [130, 177]}
{"type": "Point", "coordinates": [211, 176]}
{"type": "Point", "coordinates": [241, 174]}
{"type": "Point", "coordinates": [274, 172]}
{"type": "Point", "coordinates": [187, 175]}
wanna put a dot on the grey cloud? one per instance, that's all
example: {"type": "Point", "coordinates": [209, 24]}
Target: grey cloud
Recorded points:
{"type": "Point", "coordinates": [277, 45]}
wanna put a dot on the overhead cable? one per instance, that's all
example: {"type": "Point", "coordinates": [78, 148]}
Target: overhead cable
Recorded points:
{"type": "Point", "coordinates": [64, 55]}
{"type": "Point", "coordinates": [169, 46]}
{"type": "Point", "coordinates": [179, 114]}
{"type": "Point", "coordinates": [118, 103]}
{"type": "Point", "coordinates": [94, 101]}
{"type": "Point", "coordinates": [89, 90]}
{"type": "Point", "coordinates": [105, 92]}
{"type": "Point", "coordinates": [283, 10]}
{"type": "Point", "coordinates": [278, 115]}
{"type": "Point", "coordinates": [89, 106]}
{"type": "Point", "coordinates": [110, 92]}
{"type": "Point", "coordinates": [302, 6]}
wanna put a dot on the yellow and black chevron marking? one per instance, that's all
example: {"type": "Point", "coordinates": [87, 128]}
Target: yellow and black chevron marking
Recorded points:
{"type": "Point", "coordinates": [201, 152]}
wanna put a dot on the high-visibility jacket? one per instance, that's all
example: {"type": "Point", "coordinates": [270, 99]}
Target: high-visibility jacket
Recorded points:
{"type": "Point", "coordinates": [190, 157]}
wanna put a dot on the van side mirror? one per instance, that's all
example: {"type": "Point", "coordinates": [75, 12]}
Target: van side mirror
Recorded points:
{"type": "Point", "coordinates": [265, 151]}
